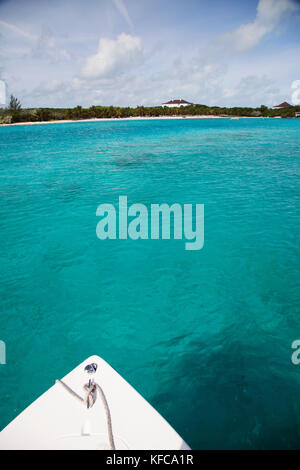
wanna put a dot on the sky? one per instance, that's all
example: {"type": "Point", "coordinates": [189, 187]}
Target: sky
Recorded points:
{"type": "Point", "coordinates": [64, 53]}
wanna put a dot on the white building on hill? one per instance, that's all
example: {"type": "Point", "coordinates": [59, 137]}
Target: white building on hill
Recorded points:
{"type": "Point", "coordinates": [176, 103]}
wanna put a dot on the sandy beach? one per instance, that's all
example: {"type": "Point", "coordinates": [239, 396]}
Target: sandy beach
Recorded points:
{"type": "Point", "coordinates": [140, 118]}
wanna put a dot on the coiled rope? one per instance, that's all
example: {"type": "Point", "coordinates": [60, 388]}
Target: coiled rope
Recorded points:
{"type": "Point", "coordinates": [89, 401]}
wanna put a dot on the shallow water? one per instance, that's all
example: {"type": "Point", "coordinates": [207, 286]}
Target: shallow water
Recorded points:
{"type": "Point", "coordinates": [206, 335]}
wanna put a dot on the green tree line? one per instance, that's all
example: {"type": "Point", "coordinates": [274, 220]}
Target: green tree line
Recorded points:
{"type": "Point", "coordinates": [15, 113]}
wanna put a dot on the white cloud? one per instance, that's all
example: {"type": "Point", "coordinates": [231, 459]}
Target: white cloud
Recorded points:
{"type": "Point", "coordinates": [120, 5]}
{"type": "Point", "coordinates": [49, 87]}
{"type": "Point", "coordinates": [269, 13]}
{"type": "Point", "coordinates": [296, 93]}
{"type": "Point", "coordinates": [17, 30]}
{"type": "Point", "coordinates": [113, 57]}
{"type": "Point", "coordinates": [48, 47]}
{"type": "Point", "coordinates": [253, 89]}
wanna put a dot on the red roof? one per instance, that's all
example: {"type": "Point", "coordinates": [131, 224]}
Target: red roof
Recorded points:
{"type": "Point", "coordinates": [283, 105]}
{"type": "Point", "coordinates": [177, 102]}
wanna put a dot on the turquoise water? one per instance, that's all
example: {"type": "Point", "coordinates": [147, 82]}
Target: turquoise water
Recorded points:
{"type": "Point", "coordinates": [206, 335]}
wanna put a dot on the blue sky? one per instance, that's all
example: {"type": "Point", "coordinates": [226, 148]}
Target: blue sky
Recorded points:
{"type": "Point", "coordinates": [133, 52]}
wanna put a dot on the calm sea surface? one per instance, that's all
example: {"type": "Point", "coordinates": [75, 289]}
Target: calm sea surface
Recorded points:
{"type": "Point", "coordinates": [205, 335]}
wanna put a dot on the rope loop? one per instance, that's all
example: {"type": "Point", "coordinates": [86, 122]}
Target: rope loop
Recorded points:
{"type": "Point", "coordinates": [91, 396]}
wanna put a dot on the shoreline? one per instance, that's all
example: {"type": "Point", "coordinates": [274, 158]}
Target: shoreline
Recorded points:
{"type": "Point", "coordinates": [134, 118]}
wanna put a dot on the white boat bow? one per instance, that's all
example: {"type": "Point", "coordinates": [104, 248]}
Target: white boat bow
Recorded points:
{"type": "Point", "coordinates": [60, 418]}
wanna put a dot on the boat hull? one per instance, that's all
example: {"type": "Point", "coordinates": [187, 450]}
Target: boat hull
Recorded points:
{"type": "Point", "coordinates": [59, 420]}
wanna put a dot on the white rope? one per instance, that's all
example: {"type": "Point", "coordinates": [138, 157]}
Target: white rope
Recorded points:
{"type": "Point", "coordinates": [90, 400]}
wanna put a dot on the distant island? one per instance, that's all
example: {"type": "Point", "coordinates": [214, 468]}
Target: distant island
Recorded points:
{"type": "Point", "coordinates": [14, 113]}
